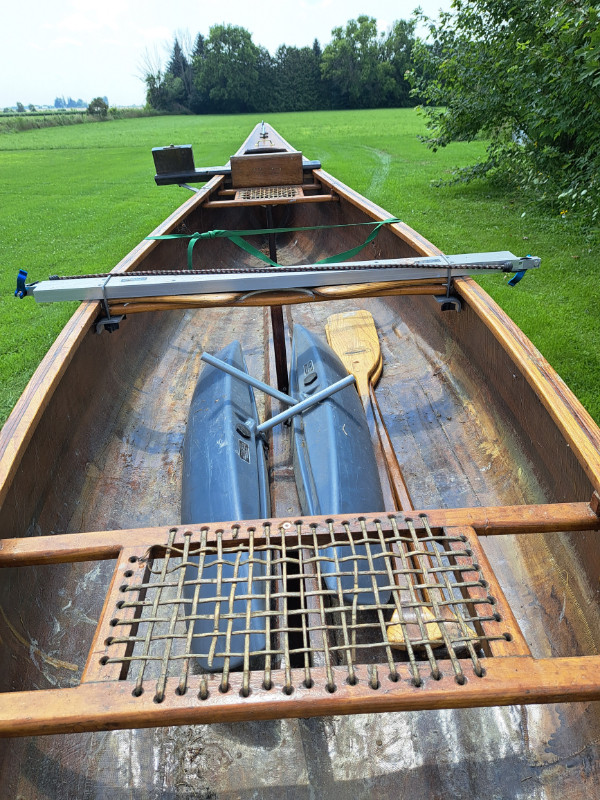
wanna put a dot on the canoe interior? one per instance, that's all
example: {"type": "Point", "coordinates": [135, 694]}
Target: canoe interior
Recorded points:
{"type": "Point", "coordinates": [466, 427]}
{"type": "Point", "coordinates": [468, 431]}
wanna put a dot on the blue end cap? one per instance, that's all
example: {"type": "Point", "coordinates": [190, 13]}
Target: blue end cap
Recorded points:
{"type": "Point", "coordinates": [518, 276]}
{"type": "Point", "coordinates": [21, 290]}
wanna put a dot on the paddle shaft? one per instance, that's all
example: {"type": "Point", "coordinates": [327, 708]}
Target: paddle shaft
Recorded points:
{"type": "Point", "coordinates": [361, 353]}
{"type": "Point", "coordinates": [354, 338]}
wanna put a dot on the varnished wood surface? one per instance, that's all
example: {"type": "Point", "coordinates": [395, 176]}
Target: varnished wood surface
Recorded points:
{"type": "Point", "coordinates": [508, 681]}
{"type": "Point", "coordinates": [516, 644]}
{"type": "Point", "coordinates": [494, 521]}
{"type": "Point", "coordinates": [575, 423]}
{"type": "Point", "coordinates": [352, 335]}
{"type": "Point", "coordinates": [266, 169]}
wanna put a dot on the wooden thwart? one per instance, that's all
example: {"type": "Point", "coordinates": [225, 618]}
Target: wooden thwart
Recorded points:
{"type": "Point", "coordinates": [485, 521]}
{"type": "Point", "coordinates": [111, 706]}
{"type": "Point", "coordinates": [504, 673]}
{"type": "Point", "coordinates": [239, 200]}
{"type": "Point", "coordinates": [316, 294]}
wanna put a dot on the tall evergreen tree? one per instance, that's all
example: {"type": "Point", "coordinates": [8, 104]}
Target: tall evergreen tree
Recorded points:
{"type": "Point", "coordinates": [181, 70]}
{"type": "Point", "coordinates": [297, 84]}
{"type": "Point", "coordinates": [197, 98]}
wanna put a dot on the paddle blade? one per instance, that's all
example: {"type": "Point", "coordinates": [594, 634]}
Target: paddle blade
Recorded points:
{"type": "Point", "coordinates": [353, 336]}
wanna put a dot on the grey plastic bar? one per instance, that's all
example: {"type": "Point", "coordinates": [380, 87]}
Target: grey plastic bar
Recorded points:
{"type": "Point", "coordinates": [304, 404]}
{"type": "Point", "coordinates": [243, 376]}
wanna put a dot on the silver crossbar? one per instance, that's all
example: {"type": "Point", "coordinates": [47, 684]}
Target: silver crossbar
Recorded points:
{"type": "Point", "coordinates": [295, 406]}
{"type": "Point", "coordinates": [133, 286]}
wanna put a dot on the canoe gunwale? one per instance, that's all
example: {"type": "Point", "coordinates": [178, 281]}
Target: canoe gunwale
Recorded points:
{"type": "Point", "coordinates": [572, 419]}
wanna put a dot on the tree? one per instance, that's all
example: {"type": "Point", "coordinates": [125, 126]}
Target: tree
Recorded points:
{"type": "Point", "coordinates": [164, 91]}
{"type": "Point", "coordinates": [527, 78]}
{"type": "Point", "coordinates": [227, 71]}
{"type": "Point", "coordinates": [20, 108]}
{"type": "Point", "coordinates": [263, 99]}
{"type": "Point", "coordinates": [354, 64]}
{"type": "Point", "coordinates": [180, 67]}
{"type": "Point", "coordinates": [59, 102]}
{"type": "Point", "coordinates": [31, 107]}
{"type": "Point", "coordinates": [98, 107]}
{"type": "Point", "coordinates": [198, 51]}
{"type": "Point", "coordinates": [197, 99]}
{"type": "Point", "coordinates": [297, 84]}
{"type": "Point", "coordinates": [397, 49]}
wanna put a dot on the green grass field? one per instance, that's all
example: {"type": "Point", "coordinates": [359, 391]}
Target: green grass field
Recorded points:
{"type": "Point", "coordinates": [76, 199]}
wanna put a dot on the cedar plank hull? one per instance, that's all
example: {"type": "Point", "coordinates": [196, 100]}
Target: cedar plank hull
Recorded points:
{"type": "Point", "coordinates": [101, 450]}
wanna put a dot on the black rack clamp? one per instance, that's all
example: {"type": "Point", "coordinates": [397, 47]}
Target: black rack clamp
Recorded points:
{"type": "Point", "coordinates": [448, 302]}
{"type": "Point", "coordinates": [108, 323]}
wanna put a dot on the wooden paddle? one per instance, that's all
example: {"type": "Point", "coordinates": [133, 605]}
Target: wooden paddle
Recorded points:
{"type": "Point", "coordinates": [353, 337]}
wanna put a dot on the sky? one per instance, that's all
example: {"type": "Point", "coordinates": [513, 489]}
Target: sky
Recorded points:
{"type": "Point", "coordinates": [85, 49]}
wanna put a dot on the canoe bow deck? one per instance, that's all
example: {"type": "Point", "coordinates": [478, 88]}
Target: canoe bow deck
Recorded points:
{"type": "Point", "coordinates": [499, 456]}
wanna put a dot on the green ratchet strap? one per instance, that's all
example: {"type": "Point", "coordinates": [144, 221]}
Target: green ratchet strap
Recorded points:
{"type": "Point", "coordinates": [237, 238]}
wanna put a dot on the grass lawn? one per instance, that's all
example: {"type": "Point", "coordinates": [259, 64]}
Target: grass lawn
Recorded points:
{"type": "Point", "coordinates": [76, 199]}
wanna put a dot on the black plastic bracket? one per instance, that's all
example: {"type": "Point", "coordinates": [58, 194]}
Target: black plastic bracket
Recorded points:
{"type": "Point", "coordinates": [109, 324]}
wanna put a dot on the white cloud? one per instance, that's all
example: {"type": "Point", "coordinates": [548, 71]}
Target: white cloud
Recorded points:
{"type": "Point", "coordinates": [156, 34]}
{"type": "Point", "coordinates": [65, 41]}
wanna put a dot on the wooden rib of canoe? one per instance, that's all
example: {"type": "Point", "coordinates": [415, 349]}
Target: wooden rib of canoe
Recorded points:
{"type": "Point", "coordinates": [490, 441]}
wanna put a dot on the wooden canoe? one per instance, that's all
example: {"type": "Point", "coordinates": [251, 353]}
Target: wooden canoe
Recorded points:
{"type": "Point", "coordinates": [502, 463]}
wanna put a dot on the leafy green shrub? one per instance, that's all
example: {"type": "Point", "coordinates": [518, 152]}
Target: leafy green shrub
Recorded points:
{"type": "Point", "coordinates": [98, 107]}
{"type": "Point", "coordinates": [527, 77]}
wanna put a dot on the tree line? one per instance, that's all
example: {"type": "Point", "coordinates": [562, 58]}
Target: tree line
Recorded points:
{"type": "Point", "coordinates": [60, 102]}
{"type": "Point", "coordinates": [226, 73]}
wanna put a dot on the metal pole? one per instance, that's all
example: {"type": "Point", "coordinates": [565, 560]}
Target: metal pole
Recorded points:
{"type": "Point", "coordinates": [243, 376]}
{"type": "Point", "coordinates": [304, 404]}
